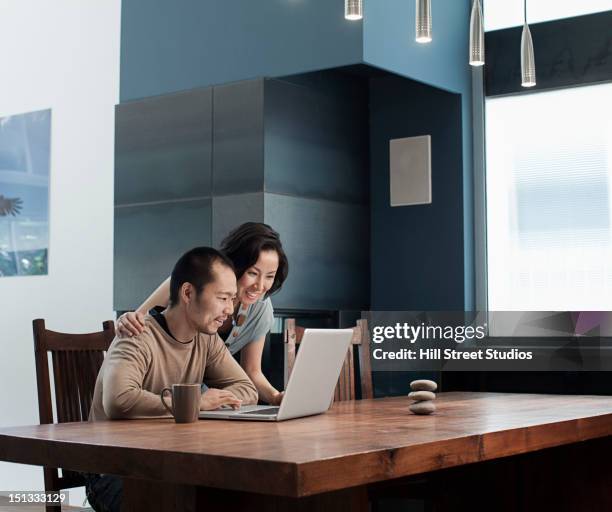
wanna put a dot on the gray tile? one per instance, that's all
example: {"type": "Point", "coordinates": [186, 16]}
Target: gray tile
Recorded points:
{"type": "Point", "coordinates": [229, 212]}
{"type": "Point", "coordinates": [238, 138]}
{"type": "Point", "coordinates": [149, 239]}
{"type": "Point", "coordinates": [316, 138]}
{"type": "Point", "coordinates": [163, 148]}
{"type": "Point", "coordinates": [327, 244]}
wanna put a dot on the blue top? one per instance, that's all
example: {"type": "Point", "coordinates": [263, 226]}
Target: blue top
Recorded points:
{"type": "Point", "coordinates": [258, 322]}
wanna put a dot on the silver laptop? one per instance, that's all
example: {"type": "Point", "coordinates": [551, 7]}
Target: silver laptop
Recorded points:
{"type": "Point", "coordinates": [310, 389]}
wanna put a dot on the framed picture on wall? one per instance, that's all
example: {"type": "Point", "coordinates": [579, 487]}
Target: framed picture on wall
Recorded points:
{"type": "Point", "coordinates": [25, 160]}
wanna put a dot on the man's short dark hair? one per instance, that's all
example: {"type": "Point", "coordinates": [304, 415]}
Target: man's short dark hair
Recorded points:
{"type": "Point", "coordinates": [195, 267]}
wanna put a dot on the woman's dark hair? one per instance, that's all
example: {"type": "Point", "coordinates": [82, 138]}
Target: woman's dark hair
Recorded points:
{"type": "Point", "coordinates": [195, 267]}
{"type": "Point", "coordinates": [243, 245]}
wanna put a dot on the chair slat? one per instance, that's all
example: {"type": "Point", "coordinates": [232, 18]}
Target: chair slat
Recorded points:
{"type": "Point", "coordinates": [365, 360]}
{"type": "Point", "coordinates": [74, 381]}
{"type": "Point", "coordinates": [290, 347]}
{"type": "Point", "coordinates": [351, 376]}
{"type": "Point", "coordinates": [81, 367]}
{"type": "Point", "coordinates": [340, 385]}
{"type": "Point", "coordinates": [60, 396]}
{"type": "Point", "coordinates": [68, 379]}
{"type": "Point", "coordinates": [343, 380]}
{"type": "Point", "coordinates": [71, 383]}
{"type": "Point", "coordinates": [88, 369]}
{"type": "Point", "coordinates": [348, 392]}
{"type": "Point", "coordinates": [82, 364]}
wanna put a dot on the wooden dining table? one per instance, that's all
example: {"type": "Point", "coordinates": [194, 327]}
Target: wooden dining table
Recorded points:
{"type": "Point", "coordinates": [498, 451]}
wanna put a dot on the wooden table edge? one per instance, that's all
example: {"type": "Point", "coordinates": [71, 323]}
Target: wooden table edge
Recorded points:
{"type": "Point", "coordinates": [281, 479]}
{"type": "Point", "coordinates": [393, 463]}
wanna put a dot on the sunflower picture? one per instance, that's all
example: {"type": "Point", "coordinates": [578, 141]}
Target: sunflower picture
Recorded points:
{"type": "Point", "coordinates": [25, 141]}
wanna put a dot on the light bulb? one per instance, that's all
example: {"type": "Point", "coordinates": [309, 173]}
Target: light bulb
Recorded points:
{"type": "Point", "coordinates": [476, 35]}
{"type": "Point", "coordinates": [423, 21]}
{"type": "Point", "coordinates": [353, 9]}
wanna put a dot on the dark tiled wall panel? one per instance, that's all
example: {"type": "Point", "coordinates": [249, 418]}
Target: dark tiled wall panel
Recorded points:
{"type": "Point", "coordinates": [163, 148]}
{"type": "Point", "coordinates": [231, 211]}
{"type": "Point", "coordinates": [238, 126]}
{"type": "Point", "coordinates": [317, 139]}
{"type": "Point", "coordinates": [149, 239]}
{"type": "Point", "coordinates": [328, 250]}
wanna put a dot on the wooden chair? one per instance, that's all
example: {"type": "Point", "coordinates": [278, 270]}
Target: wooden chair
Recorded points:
{"type": "Point", "coordinates": [346, 388]}
{"type": "Point", "coordinates": [76, 360]}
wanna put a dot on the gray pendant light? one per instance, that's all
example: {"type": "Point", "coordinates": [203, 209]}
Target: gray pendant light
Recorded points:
{"type": "Point", "coordinates": [423, 21]}
{"type": "Point", "coordinates": [353, 9]}
{"type": "Point", "coordinates": [528, 71]}
{"type": "Point", "coordinates": [477, 53]}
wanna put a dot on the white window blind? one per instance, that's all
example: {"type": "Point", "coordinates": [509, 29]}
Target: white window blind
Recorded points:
{"type": "Point", "coordinates": [500, 14]}
{"type": "Point", "coordinates": [549, 189]}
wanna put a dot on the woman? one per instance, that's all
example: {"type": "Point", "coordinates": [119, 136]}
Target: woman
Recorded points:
{"type": "Point", "coordinates": [261, 268]}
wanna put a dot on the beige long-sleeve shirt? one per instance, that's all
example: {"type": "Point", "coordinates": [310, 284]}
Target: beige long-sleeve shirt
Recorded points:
{"type": "Point", "coordinates": [135, 370]}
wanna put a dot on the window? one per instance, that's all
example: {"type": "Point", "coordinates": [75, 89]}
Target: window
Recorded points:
{"type": "Point", "coordinates": [549, 189]}
{"type": "Point", "coordinates": [500, 14]}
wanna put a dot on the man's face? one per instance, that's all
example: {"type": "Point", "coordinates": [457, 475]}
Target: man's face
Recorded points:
{"type": "Point", "coordinates": [210, 309]}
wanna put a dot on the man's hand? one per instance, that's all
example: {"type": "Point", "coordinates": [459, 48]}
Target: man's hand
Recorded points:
{"type": "Point", "coordinates": [130, 324]}
{"type": "Point", "coordinates": [215, 398]}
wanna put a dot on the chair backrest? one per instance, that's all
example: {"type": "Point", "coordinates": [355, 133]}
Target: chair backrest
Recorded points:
{"type": "Point", "coordinates": [76, 360]}
{"type": "Point", "coordinates": [346, 389]}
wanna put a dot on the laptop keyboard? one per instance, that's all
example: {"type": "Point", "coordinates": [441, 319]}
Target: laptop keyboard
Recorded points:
{"type": "Point", "coordinates": [268, 412]}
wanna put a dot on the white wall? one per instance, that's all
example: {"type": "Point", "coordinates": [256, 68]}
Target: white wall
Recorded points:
{"type": "Point", "coordinates": [62, 55]}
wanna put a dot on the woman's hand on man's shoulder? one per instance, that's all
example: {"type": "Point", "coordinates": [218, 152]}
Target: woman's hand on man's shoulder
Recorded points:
{"type": "Point", "coordinates": [130, 324]}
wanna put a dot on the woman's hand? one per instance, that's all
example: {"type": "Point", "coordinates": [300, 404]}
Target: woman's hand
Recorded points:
{"type": "Point", "coordinates": [277, 398]}
{"type": "Point", "coordinates": [130, 324]}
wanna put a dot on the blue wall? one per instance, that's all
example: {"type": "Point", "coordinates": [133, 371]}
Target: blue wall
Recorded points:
{"type": "Point", "coordinates": [178, 45]}
{"type": "Point", "coordinates": [169, 46]}
{"type": "Point", "coordinates": [417, 257]}
{"type": "Point", "coordinates": [388, 43]}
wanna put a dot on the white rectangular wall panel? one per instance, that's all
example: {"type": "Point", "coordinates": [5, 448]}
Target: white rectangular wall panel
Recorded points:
{"type": "Point", "coordinates": [410, 167]}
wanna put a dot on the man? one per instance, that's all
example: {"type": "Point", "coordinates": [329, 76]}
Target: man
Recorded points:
{"type": "Point", "coordinates": [178, 345]}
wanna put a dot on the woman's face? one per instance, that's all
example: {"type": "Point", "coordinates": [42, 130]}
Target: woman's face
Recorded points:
{"type": "Point", "coordinates": [259, 278]}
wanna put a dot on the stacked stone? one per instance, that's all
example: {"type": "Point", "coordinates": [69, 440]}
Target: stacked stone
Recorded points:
{"type": "Point", "coordinates": [423, 394]}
